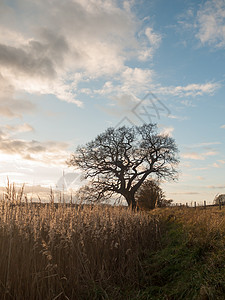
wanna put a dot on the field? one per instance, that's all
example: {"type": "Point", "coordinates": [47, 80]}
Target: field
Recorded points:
{"type": "Point", "coordinates": [104, 252]}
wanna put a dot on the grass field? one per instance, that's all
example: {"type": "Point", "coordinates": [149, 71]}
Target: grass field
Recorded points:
{"type": "Point", "coordinates": [101, 252]}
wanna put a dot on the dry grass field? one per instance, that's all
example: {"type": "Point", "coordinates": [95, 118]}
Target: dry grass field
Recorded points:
{"type": "Point", "coordinates": [103, 252]}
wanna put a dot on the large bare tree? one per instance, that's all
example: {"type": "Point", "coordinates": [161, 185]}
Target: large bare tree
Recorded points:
{"type": "Point", "coordinates": [120, 160]}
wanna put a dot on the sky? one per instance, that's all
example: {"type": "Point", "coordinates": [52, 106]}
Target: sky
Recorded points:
{"type": "Point", "coordinates": [69, 69]}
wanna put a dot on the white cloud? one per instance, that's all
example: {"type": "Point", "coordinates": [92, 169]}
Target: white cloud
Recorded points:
{"type": "Point", "coordinates": [10, 106]}
{"type": "Point", "coordinates": [36, 66]}
{"type": "Point", "coordinates": [79, 41]}
{"type": "Point", "coordinates": [19, 128]}
{"type": "Point", "coordinates": [136, 79]}
{"type": "Point", "coordinates": [188, 103]}
{"type": "Point", "coordinates": [148, 49]}
{"type": "Point", "coordinates": [86, 38]}
{"type": "Point", "coordinates": [180, 118]}
{"type": "Point", "coordinates": [211, 23]}
{"type": "Point", "coordinates": [107, 88]}
{"type": "Point", "coordinates": [47, 153]}
{"type": "Point", "coordinates": [138, 111]}
{"type": "Point", "coordinates": [167, 131]}
{"type": "Point", "coordinates": [223, 126]}
{"type": "Point", "coordinates": [27, 62]}
{"type": "Point", "coordinates": [121, 106]}
{"type": "Point", "coordinates": [190, 89]}
{"type": "Point", "coordinates": [130, 80]}
{"type": "Point", "coordinates": [145, 53]}
{"type": "Point", "coordinates": [154, 38]}
{"type": "Point", "coordinates": [13, 37]}
{"type": "Point", "coordinates": [29, 172]}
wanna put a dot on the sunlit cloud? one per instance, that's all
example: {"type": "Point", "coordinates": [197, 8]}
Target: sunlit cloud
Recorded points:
{"type": "Point", "coordinates": [204, 144]}
{"type": "Point", "coordinates": [10, 106]}
{"type": "Point", "coordinates": [48, 152]}
{"type": "Point", "coordinates": [198, 156]}
{"type": "Point", "coordinates": [221, 161]}
{"type": "Point", "coordinates": [74, 38]}
{"type": "Point", "coordinates": [193, 155]}
{"type": "Point", "coordinates": [190, 89]}
{"type": "Point", "coordinates": [105, 56]}
{"type": "Point", "coordinates": [216, 165]}
{"type": "Point", "coordinates": [19, 128]}
{"type": "Point", "coordinates": [199, 168]}
{"type": "Point", "coordinates": [167, 131]}
{"type": "Point", "coordinates": [216, 186]}
{"type": "Point", "coordinates": [200, 178]}
{"type": "Point", "coordinates": [185, 193]}
{"type": "Point", "coordinates": [210, 153]}
{"type": "Point", "coordinates": [134, 78]}
{"type": "Point", "coordinates": [180, 118]}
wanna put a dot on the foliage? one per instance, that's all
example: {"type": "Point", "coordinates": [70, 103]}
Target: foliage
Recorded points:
{"type": "Point", "coordinates": [88, 194]}
{"type": "Point", "coordinates": [163, 202]}
{"type": "Point", "coordinates": [120, 160]}
{"type": "Point", "coordinates": [149, 194]}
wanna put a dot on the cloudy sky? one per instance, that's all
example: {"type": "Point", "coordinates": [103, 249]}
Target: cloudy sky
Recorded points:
{"type": "Point", "coordinates": [69, 69]}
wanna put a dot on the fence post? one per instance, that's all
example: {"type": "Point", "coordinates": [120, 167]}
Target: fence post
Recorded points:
{"type": "Point", "coordinates": [195, 204]}
{"type": "Point", "coordinates": [220, 204]}
{"type": "Point", "coordinates": [204, 204]}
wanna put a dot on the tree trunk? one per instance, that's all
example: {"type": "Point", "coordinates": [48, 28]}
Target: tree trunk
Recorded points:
{"type": "Point", "coordinates": [130, 200]}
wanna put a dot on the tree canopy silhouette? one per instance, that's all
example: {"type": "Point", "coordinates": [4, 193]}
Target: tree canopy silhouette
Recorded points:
{"type": "Point", "coordinates": [120, 159]}
{"type": "Point", "coordinates": [149, 195]}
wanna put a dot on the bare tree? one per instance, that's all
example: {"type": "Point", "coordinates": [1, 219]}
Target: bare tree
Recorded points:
{"type": "Point", "coordinates": [89, 194]}
{"type": "Point", "coordinates": [120, 160]}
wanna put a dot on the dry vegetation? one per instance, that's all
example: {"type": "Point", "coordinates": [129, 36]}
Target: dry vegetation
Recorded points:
{"type": "Point", "coordinates": [102, 252]}
{"type": "Point", "coordinates": [70, 253]}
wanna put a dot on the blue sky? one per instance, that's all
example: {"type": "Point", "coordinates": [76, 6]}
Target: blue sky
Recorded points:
{"type": "Point", "coordinates": [70, 69]}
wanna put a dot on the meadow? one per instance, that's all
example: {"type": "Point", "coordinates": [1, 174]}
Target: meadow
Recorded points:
{"type": "Point", "coordinates": [50, 251]}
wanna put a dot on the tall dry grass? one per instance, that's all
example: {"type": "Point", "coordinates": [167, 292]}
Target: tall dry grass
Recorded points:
{"type": "Point", "coordinates": [67, 252]}
{"type": "Point", "coordinates": [50, 251]}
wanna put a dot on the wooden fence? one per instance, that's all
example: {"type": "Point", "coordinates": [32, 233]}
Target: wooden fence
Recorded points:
{"type": "Point", "coordinates": [204, 205]}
